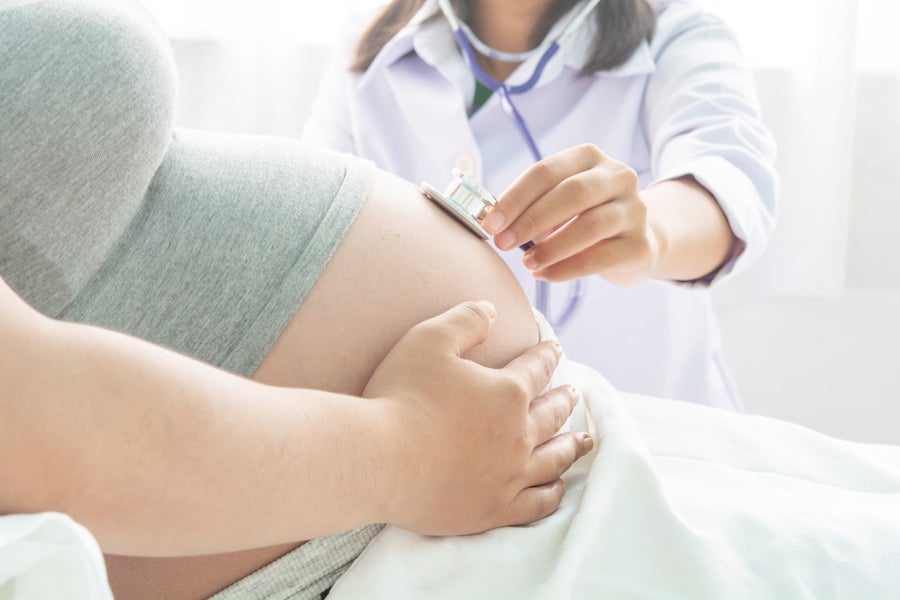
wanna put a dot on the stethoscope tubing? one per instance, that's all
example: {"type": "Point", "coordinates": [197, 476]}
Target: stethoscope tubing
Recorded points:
{"type": "Point", "coordinates": [542, 288]}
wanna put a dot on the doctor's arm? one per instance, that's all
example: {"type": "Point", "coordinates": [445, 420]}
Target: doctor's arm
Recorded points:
{"type": "Point", "coordinates": [158, 454]}
{"type": "Point", "coordinates": [672, 230]}
{"type": "Point", "coordinates": [712, 208]}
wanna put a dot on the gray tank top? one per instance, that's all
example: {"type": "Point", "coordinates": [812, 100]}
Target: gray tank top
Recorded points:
{"type": "Point", "coordinates": [204, 243]}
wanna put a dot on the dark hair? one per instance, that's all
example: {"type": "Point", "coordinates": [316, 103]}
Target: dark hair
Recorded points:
{"type": "Point", "coordinates": [621, 25]}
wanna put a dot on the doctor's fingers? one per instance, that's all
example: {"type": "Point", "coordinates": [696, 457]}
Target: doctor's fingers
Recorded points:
{"type": "Point", "coordinates": [623, 262]}
{"type": "Point", "coordinates": [590, 227]}
{"type": "Point", "coordinates": [572, 196]}
{"type": "Point", "coordinates": [544, 175]}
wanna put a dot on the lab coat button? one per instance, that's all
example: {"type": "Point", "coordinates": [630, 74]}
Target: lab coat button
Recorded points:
{"type": "Point", "coordinates": [466, 164]}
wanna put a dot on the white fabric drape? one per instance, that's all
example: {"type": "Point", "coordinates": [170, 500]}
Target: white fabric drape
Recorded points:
{"type": "Point", "coordinates": [254, 67]}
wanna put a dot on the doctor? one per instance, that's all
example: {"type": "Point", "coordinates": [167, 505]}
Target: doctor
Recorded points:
{"type": "Point", "coordinates": [625, 137]}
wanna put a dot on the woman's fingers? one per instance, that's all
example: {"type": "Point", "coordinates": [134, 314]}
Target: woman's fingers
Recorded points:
{"type": "Point", "coordinates": [586, 230]}
{"type": "Point", "coordinates": [545, 487]}
{"type": "Point", "coordinates": [460, 328]}
{"type": "Point", "coordinates": [546, 174]}
{"type": "Point", "coordinates": [552, 210]}
{"type": "Point", "coordinates": [531, 371]}
{"type": "Point", "coordinates": [622, 261]}
{"type": "Point", "coordinates": [553, 458]}
{"type": "Point", "coordinates": [491, 457]}
{"type": "Point", "coordinates": [549, 462]}
{"type": "Point", "coordinates": [556, 190]}
{"type": "Point", "coordinates": [601, 241]}
{"type": "Point", "coordinates": [549, 412]}
{"type": "Point", "coordinates": [534, 503]}
{"type": "Point", "coordinates": [585, 213]}
{"type": "Point", "coordinates": [537, 181]}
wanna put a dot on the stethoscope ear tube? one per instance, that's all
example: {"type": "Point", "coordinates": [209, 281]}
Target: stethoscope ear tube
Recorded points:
{"type": "Point", "coordinates": [465, 39]}
{"type": "Point", "coordinates": [542, 302]}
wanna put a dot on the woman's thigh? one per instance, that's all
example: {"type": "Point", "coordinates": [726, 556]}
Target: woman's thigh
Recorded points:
{"type": "Point", "coordinates": [402, 261]}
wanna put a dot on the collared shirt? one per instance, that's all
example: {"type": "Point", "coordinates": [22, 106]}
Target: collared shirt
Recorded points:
{"type": "Point", "coordinates": [684, 103]}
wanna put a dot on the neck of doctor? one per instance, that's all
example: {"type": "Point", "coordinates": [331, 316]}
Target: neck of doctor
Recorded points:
{"type": "Point", "coordinates": [505, 25]}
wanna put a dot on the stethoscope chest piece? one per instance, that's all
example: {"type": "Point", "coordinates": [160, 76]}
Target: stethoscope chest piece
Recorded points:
{"type": "Point", "coordinates": [465, 200]}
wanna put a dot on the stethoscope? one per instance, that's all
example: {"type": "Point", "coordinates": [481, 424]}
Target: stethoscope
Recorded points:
{"type": "Point", "coordinates": [476, 200]}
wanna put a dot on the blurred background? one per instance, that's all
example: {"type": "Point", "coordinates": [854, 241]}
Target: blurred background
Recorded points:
{"type": "Point", "coordinates": [812, 331]}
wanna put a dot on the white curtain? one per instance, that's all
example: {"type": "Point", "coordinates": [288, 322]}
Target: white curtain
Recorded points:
{"type": "Point", "coordinates": [828, 74]}
{"type": "Point", "coordinates": [251, 67]}
{"type": "Point", "coordinates": [804, 56]}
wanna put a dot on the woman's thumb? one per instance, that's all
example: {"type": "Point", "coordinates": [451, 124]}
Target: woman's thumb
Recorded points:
{"type": "Point", "coordinates": [464, 326]}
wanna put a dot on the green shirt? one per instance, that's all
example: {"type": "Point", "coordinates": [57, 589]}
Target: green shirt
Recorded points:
{"type": "Point", "coordinates": [482, 93]}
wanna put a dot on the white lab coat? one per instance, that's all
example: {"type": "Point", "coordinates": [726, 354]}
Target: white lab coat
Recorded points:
{"type": "Point", "coordinates": [685, 103]}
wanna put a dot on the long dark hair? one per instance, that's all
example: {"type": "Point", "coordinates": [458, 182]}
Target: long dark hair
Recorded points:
{"type": "Point", "coordinates": [621, 26]}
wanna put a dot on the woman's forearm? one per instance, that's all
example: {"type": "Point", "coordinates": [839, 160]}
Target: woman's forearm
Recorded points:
{"type": "Point", "coordinates": [156, 453]}
{"type": "Point", "coordinates": [159, 454]}
{"type": "Point", "coordinates": [693, 234]}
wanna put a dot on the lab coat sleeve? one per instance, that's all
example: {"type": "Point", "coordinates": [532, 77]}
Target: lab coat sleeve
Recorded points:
{"type": "Point", "coordinates": [329, 124]}
{"type": "Point", "coordinates": [702, 119]}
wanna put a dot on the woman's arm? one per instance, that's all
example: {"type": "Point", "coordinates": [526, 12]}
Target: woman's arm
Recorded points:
{"type": "Point", "coordinates": [712, 208]}
{"type": "Point", "coordinates": [693, 238]}
{"type": "Point", "coordinates": [588, 216]}
{"type": "Point", "coordinates": [160, 454]}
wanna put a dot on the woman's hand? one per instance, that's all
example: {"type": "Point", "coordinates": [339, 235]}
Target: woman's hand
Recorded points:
{"type": "Point", "coordinates": [227, 464]}
{"type": "Point", "coordinates": [477, 448]}
{"type": "Point", "coordinates": [586, 216]}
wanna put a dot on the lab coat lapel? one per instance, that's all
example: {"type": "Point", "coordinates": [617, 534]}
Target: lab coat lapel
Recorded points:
{"type": "Point", "coordinates": [427, 82]}
{"type": "Point", "coordinates": [428, 103]}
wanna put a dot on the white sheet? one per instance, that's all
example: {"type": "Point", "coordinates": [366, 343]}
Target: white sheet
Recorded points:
{"type": "Point", "coordinates": [47, 556]}
{"type": "Point", "coordinates": [678, 502]}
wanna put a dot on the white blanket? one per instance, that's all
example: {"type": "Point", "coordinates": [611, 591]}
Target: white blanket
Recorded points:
{"type": "Point", "coordinates": [678, 501]}
{"type": "Point", "coordinates": [47, 556]}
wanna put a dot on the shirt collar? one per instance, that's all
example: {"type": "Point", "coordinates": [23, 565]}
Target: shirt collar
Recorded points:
{"type": "Point", "coordinates": [403, 41]}
{"type": "Point", "coordinates": [428, 34]}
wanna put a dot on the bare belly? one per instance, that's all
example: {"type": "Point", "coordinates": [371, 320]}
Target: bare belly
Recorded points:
{"type": "Point", "coordinates": [402, 261]}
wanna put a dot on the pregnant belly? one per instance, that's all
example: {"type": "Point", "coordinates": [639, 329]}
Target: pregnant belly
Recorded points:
{"type": "Point", "coordinates": [402, 261]}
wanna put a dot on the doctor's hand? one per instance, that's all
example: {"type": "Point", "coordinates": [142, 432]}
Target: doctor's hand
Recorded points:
{"type": "Point", "coordinates": [586, 216]}
{"type": "Point", "coordinates": [477, 448]}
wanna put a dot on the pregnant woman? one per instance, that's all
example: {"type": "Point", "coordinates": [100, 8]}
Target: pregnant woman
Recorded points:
{"type": "Point", "coordinates": [385, 392]}
{"type": "Point", "coordinates": [297, 268]}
